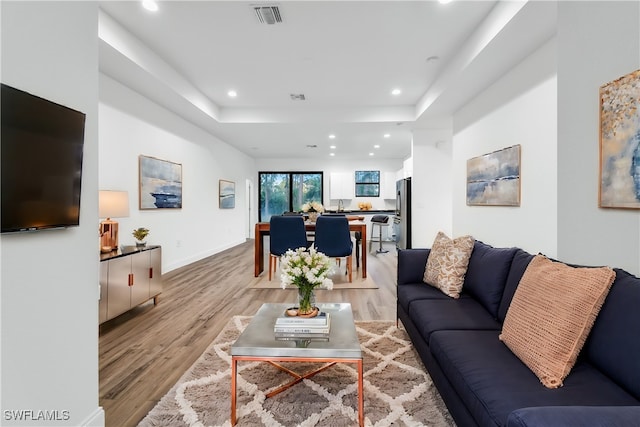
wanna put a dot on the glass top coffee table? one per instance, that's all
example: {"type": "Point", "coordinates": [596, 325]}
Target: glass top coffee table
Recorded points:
{"type": "Point", "coordinates": [258, 343]}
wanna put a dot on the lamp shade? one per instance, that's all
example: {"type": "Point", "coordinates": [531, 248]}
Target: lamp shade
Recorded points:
{"type": "Point", "coordinates": [113, 204]}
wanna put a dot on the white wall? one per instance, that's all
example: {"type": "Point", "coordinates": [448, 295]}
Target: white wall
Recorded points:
{"type": "Point", "coordinates": [431, 186]}
{"type": "Point", "coordinates": [131, 125]}
{"type": "Point", "coordinates": [49, 283]}
{"type": "Point", "coordinates": [520, 108]}
{"type": "Point", "coordinates": [329, 165]}
{"type": "Point", "coordinates": [597, 42]}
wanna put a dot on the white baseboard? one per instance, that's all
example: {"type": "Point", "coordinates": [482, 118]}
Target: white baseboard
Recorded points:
{"type": "Point", "coordinates": [199, 256]}
{"type": "Point", "coordinates": [96, 419]}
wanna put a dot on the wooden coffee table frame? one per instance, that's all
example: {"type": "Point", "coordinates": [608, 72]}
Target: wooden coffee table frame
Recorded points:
{"type": "Point", "coordinates": [297, 377]}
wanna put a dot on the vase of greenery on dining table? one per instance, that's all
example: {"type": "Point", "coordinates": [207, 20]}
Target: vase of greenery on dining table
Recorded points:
{"type": "Point", "coordinates": [307, 269]}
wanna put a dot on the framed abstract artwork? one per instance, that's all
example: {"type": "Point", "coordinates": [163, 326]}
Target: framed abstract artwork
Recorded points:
{"type": "Point", "coordinates": [493, 179]}
{"type": "Point", "coordinates": [620, 143]}
{"type": "Point", "coordinates": [227, 192]}
{"type": "Point", "coordinates": [160, 183]}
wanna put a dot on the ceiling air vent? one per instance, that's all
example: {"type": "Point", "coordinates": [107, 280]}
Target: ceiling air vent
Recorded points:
{"type": "Point", "coordinates": [268, 14]}
{"type": "Point", "coordinates": [297, 97]}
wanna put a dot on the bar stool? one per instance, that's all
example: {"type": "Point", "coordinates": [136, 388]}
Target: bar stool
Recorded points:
{"type": "Point", "coordinates": [380, 221]}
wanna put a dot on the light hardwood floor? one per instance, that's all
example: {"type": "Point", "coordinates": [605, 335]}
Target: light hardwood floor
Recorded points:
{"type": "Point", "coordinates": [145, 351]}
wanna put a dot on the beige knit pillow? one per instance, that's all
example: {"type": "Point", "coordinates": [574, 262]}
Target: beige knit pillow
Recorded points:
{"type": "Point", "coordinates": [447, 263]}
{"type": "Point", "coordinates": [551, 315]}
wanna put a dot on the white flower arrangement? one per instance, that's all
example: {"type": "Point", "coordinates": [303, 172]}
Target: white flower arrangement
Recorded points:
{"type": "Point", "coordinates": [305, 268]}
{"type": "Point", "coordinates": [312, 207]}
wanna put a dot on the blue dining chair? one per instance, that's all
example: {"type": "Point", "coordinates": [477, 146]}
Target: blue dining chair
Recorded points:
{"type": "Point", "coordinates": [285, 232]}
{"type": "Point", "coordinates": [357, 235]}
{"type": "Point", "coordinates": [333, 239]}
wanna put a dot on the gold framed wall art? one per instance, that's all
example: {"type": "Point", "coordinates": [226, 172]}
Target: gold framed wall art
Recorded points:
{"type": "Point", "coordinates": [160, 184]}
{"type": "Point", "coordinates": [227, 194]}
{"type": "Point", "coordinates": [620, 143]}
{"type": "Point", "coordinates": [493, 179]}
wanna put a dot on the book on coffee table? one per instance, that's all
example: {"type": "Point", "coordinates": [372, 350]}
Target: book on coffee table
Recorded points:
{"type": "Point", "coordinates": [282, 336]}
{"type": "Point", "coordinates": [322, 319]}
{"type": "Point", "coordinates": [318, 327]}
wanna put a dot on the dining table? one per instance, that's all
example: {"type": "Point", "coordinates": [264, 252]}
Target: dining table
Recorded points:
{"type": "Point", "coordinates": [356, 224]}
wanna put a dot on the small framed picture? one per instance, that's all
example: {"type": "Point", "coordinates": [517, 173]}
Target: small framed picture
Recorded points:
{"type": "Point", "coordinates": [227, 192]}
{"type": "Point", "coordinates": [493, 179]}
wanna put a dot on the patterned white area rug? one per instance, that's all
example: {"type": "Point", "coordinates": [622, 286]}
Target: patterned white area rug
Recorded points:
{"type": "Point", "coordinates": [397, 389]}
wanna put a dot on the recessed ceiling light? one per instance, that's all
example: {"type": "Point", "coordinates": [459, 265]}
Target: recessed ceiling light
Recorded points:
{"type": "Point", "coordinates": [396, 92]}
{"type": "Point", "coordinates": [386, 135]}
{"type": "Point", "coordinates": [444, 1]}
{"type": "Point", "coordinates": [371, 154]}
{"type": "Point", "coordinates": [376, 146]}
{"type": "Point", "coordinates": [332, 154]}
{"type": "Point", "coordinates": [332, 136]}
{"type": "Point", "coordinates": [232, 94]}
{"type": "Point", "coordinates": [150, 5]}
{"type": "Point", "coordinates": [333, 147]}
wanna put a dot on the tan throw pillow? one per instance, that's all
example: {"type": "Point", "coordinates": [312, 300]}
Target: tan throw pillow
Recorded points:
{"type": "Point", "coordinates": [448, 262]}
{"type": "Point", "coordinates": [551, 315]}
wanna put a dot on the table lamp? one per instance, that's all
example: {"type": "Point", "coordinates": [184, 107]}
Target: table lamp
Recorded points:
{"type": "Point", "coordinates": [112, 204]}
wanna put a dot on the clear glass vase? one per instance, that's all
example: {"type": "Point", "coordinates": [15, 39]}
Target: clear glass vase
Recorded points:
{"type": "Point", "coordinates": [306, 300]}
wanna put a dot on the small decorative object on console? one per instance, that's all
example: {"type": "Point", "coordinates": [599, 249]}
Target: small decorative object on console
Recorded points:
{"type": "Point", "coordinates": [140, 234]}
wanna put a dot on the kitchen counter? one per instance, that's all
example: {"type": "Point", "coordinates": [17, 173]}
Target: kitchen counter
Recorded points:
{"type": "Point", "coordinates": [389, 212]}
{"type": "Point", "coordinates": [388, 230]}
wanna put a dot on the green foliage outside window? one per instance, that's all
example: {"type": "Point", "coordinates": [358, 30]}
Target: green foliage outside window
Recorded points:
{"type": "Point", "coordinates": [287, 191]}
{"type": "Point", "coordinates": [367, 183]}
{"type": "Point", "coordinates": [274, 194]}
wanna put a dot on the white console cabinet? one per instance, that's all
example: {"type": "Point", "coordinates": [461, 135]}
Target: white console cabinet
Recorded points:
{"type": "Point", "coordinates": [128, 278]}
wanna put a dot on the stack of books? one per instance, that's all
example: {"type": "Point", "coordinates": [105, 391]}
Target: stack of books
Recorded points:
{"type": "Point", "coordinates": [302, 327]}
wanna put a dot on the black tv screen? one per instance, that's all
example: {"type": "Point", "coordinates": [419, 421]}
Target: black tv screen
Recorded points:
{"type": "Point", "coordinates": [41, 162]}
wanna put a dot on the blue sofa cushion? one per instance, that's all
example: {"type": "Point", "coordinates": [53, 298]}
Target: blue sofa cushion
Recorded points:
{"type": "Point", "coordinates": [487, 274]}
{"type": "Point", "coordinates": [417, 291]}
{"type": "Point", "coordinates": [411, 265]}
{"type": "Point", "coordinates": [493, 382]}
{"type": "Point", "coordinates": [431, 315]}
{"type": "Point", "coordinates": [521, 260]}
{"type": "Point", "coordinates": [614, 343]}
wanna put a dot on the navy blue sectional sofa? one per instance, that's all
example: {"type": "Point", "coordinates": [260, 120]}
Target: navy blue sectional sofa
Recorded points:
{"type": "Point", "coordinates": [483, 383]}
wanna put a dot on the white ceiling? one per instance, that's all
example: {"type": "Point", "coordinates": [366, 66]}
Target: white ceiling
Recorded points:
{"type": "Point", "coordinates": [344, 56]}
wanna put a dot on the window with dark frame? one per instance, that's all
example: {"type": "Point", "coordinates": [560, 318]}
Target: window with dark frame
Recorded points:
{"type": "Point", "coordinates": [281, 192]}
{"type": "Point", "coordinates": [367, 183]}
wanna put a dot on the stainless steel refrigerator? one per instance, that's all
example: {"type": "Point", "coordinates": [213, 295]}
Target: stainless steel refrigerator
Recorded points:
{"type": "Point", "coordinates": [402, 218]}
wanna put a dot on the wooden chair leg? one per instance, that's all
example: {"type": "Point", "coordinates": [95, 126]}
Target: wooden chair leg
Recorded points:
{"type": "Point", "coordinates": [349, 265]}
{"type": "Point", "coordinates": [271, 265]}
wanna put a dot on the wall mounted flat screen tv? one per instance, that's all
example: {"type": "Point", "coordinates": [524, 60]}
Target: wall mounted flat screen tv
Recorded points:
{"type": "Point", "coordinates": [41, 162]}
